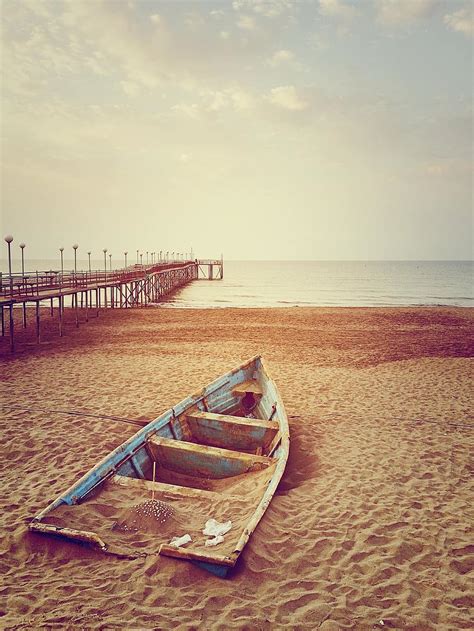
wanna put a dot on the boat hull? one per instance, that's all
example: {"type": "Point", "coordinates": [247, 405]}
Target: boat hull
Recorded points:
{"type": "Point", "coordinates": [219, 453]}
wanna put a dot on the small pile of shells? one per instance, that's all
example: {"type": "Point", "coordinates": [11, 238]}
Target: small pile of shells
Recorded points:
{"type": "Point", "coordinates": [145, 516]}
{"type": "Point", "coordinates": [154, 508]}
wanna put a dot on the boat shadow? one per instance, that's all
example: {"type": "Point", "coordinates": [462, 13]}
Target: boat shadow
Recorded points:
{"type": "Point", "coordinates": [303, 463]}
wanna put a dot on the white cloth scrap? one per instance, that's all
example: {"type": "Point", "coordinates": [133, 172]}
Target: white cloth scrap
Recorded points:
{"type": "Point", "coordinates": [176, 542]}
{"type": "Point", "coordinates": [213, 528]}
{"type": "Point", "coordinates": [214, 541]}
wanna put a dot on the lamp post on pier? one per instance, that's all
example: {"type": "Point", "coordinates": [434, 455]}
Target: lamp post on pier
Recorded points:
{"type": "Point", "coordinates": [61, 299]}
{"type": "Point", "coordinates": [9, 240]}
{"type": "Point", "coordinates": [89, 255]}
{"type": "Point", "coordinates": [105, 276]}
{"type": "Point", "coordinates": [22, 246]}
{"type": "Point", "coordinates": [137, 257]}
{"type": "Point", "coordinates": [141, 259]}
{"type": "Point", "coordinates": [125, 255]}
{"type": "Point", "coordinates": [74, 296]}
{"type": "Point", "coordinates": [147, 258]}
{"type": "Point", "coordinates": [75, 246]}
{"type": "Point", "coordinates": [110, 262]}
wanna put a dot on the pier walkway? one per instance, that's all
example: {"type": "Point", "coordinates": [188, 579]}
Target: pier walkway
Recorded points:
{"type": "Point", "coordinates": [88, 292]}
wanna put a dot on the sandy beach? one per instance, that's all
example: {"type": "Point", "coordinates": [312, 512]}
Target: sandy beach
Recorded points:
{"type": "Point", "coordinates": [371, 526]}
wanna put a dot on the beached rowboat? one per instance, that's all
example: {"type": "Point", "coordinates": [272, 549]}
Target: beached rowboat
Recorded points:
{"type": "Point", "coordinates": [211, 463]}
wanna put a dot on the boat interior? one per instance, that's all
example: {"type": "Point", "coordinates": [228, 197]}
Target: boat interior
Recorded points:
{"type": "Point", "coordinates": [204, 443]}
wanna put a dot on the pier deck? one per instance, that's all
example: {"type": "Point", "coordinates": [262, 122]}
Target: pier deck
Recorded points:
{"type": "Point", "coordinates": [131, 287]}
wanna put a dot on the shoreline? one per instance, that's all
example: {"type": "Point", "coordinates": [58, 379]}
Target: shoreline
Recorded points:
{"type": "Point", "coordinates": [292, 306]}
{"type": "Point", "coordinates": [370, 523]}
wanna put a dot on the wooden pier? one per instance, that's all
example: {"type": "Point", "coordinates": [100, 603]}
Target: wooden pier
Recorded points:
{"type": "Point", "coordinates": [89, 292]}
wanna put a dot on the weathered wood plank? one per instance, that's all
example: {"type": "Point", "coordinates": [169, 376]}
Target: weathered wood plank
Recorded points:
{"type": "Point", "coordinates": [248, 386]}
{"type": "Point", "coordinates": [69, 533]}
{"type": "Point", "coordinates": [201, 460]}
{"type": "Point", "coordinates": [183, 553]}
{"type": "Point", "coordinates": [231, 432]}
{"type": "Point", "coordinates": [161, 487]}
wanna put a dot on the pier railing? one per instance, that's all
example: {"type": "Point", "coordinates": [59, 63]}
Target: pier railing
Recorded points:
{"type": "Point", "coordinates": [90, 291]}
{"type": "Point", "coordinates": [18, 285]}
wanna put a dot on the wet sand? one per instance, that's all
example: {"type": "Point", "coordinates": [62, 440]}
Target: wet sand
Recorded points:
{"type": "Point", "coordinates": [371, 526]}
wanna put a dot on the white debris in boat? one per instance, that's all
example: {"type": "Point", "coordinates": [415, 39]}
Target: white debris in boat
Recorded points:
{"type": "Point", "coordinates": [176, 542]}
{"type": "Point", "coordinates": [213, 528]}
{"type": "Point", "coordinates": [214, 541]}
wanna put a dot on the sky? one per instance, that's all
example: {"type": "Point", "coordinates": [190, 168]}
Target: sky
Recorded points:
{"type": "Point", "coordinates": [260, 129]}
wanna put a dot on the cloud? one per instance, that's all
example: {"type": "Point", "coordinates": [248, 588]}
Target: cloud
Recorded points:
{"type": "Point", "coordinates": [131, 89]}
{"type": "Point", "coordinates": [83, 40]}
{"type": "Point", "coordinates": [190, 110]}
{"type": "Point", "coordinates": [281, 57]}
{"type": "Point", "coordinates": [337, 9]}
{"type": "Point", "coordinates": [447, 168]}
{"type": "Point", "coordinates": [242, 99]}
{"type": "Point", "coordinates": [403, 12]}
{"type": "Point", "coordinates": [266, 8]}
{"type": "Point", "coordinates": [118, 35]}
{"type": "Point", "coordinates": [461, 21]}
{"type": "Point", "coordinates": [194, 20]}
{"type": "Point", "coordinates": [212, 102]}
{"type": "Point", "coordinates": [286, 97]}
{"type": "Point", "coordinates": [247, 23]}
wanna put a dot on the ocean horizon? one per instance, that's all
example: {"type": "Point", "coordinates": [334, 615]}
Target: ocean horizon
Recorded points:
{"type": "Point", "coordinates": [332, 284]}
{"type": "Point", "coordinates": [315, 283]}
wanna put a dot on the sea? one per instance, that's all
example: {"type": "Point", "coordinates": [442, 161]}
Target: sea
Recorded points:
{"type": "Point", "coordinates": [317, 283]}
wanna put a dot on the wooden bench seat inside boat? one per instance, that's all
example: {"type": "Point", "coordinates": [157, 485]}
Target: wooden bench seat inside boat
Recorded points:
{"type": "Point", "coordinates": [201, 460]}
{"type": "Point", "coordinates": [231, 432]}
{"type": "Point", "coordinates": [165, 489]}
{"type": "Point", "coordinates": [248, 386]}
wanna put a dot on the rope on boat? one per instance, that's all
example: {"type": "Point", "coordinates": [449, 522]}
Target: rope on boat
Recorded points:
{"type": "Point", "coordinates": [76, 413]}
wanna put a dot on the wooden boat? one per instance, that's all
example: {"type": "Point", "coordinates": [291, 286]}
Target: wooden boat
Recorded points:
{"type": "Point", "coordinates": [218, 454]}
